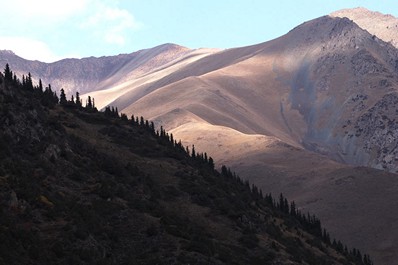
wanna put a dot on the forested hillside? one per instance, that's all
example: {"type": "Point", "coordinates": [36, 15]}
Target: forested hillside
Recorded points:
{"type": "Point", "coordinates": [78, 186]}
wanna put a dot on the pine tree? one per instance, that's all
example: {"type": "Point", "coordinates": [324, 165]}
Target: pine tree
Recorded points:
{"type": "Point", "coordinates": [78, 100]}
{"type": "Point", "coordinates": [7, 73]}
{"type": "Point", "coordinates": [89, 104]}
{"type": "Point", "coordinates": [293, 208]}
{"type": "Point", "coordinates": [40, 85]}
{"type": "Point", "coordinates": [211, 162]}
{"type": "Point", "coordinates": [29, 82]}
{"type": "Point", "coordinates": [193, 151]}
{"type": "Point", "coordinates": [62, 97]}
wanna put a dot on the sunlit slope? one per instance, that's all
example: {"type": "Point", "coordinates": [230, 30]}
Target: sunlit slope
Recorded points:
{"type": "Point", "coordinates": [289, 106]}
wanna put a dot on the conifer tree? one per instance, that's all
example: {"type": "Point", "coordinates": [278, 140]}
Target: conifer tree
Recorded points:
{"type": "Point", "coordinates": [40, 85]}
{"type": "Point", "coordinates": [78, 100]}
{"type": "Point", "coordinates": [211, 162]}
{"type": "Point", "coordinates": [7, 73]}
{"type": "Point", "coordinates": [62, 97]}
{"type": "Point", "coordinates": [89, 104]}
{"type": "Point", "coordinates": [193, 151]}
{"type": "Point", "coordinates": [29, 82]}
{"type": "Point", "coordinates": [293, 208]}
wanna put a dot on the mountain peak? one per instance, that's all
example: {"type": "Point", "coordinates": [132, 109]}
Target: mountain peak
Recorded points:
{"type": "Point", "coordinates": [7, 52]}
{"type": "Point", "coordinates": [384, 26]}
{"type": "Point", "coordinates": [334, 32]}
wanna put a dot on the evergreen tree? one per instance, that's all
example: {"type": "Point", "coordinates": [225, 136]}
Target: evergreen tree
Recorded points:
{"type": "Point", "coordinates": [62, 97]}
{"type": "Point", "coordinates": [152, 127]}
{"type": "Point", "coordinates": [293, 208]}
{"type": "Point", "coordinates": [78, 100]}
{"type": "Point", "coordinates": [40, 85]}
{"type": "Point", "coordinates": [7, 73]}
{"type": "Point", "coordinates": [193, 151]}
{"type": "Point", "coordinates": [29, 82]}
{"type": "Point", "coordinates": [89, 104]}
{"type": "Point", "coordinates": [286, 206]}
{"type": "Point", "coordinates": [211, 162]}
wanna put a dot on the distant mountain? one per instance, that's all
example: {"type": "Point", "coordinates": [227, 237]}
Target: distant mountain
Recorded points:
{"type": "Point", "coordinates": [310, 114]}
{"type": "Point", "coordinates": [78, 186]}
{"type": "Point", "coordinates": [383, 26]}
{"type": "Point", "coordinates": [88, 74]}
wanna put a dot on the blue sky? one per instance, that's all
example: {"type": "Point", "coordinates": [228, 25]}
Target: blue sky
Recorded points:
{"type": "Point", "coordinates": [49, 30]}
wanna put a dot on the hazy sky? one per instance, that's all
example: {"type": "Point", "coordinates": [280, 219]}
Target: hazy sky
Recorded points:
{"type": "Point", "coordinates": [48, 30]}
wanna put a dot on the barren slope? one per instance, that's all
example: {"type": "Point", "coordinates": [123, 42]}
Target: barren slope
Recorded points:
{"type": "Point", "coordinates": [326, 87]}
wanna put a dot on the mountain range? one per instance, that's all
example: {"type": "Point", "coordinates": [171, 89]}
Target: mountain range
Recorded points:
{"type": "Point", "coordinates": [310, 114]}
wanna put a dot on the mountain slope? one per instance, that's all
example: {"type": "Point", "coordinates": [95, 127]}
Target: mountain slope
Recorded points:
{"type": "Point", "coordinates": [325, 87]}
{"type": "Point", "coordinates": [383, 26]}
{"type": "Point", "coordinates": [93, 188]}
{"type": "Point", "coordinates": [294, 115]}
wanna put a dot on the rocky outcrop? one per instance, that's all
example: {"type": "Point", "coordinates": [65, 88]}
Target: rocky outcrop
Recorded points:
{"type": "Point", "coordinates": [377, 132]}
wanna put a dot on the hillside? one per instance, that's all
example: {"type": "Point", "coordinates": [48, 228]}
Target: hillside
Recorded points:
{"type": "Point", "coordinates": [78, 186]}
{"type": "Point", "coordinates": [326, 90]}
{"type": "Point", "coordinates": [310, 114]}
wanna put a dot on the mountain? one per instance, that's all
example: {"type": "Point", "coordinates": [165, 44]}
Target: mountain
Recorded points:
{"type": "Point", "coordinates": [310, 114]}
{"type": "Point", "coordinates": [383, 26]}
{"type": "Point", "coordinates": [88, 74]}
{"type": "Point", "coordinates": [78, 186]}
{"type": "Point", "coordinates": [327, 86]}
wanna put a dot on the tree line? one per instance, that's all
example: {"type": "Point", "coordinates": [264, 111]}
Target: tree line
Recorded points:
{"type": "Point", "coordinates": [310, 223]}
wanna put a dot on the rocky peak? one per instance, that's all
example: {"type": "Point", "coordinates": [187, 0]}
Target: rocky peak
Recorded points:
{"type": "Point", "coordinates": [384, 26]}
{"type": "Point", "coordinates": [328, 32]}
{"type": "Point", "coordinates": [7, 52]}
